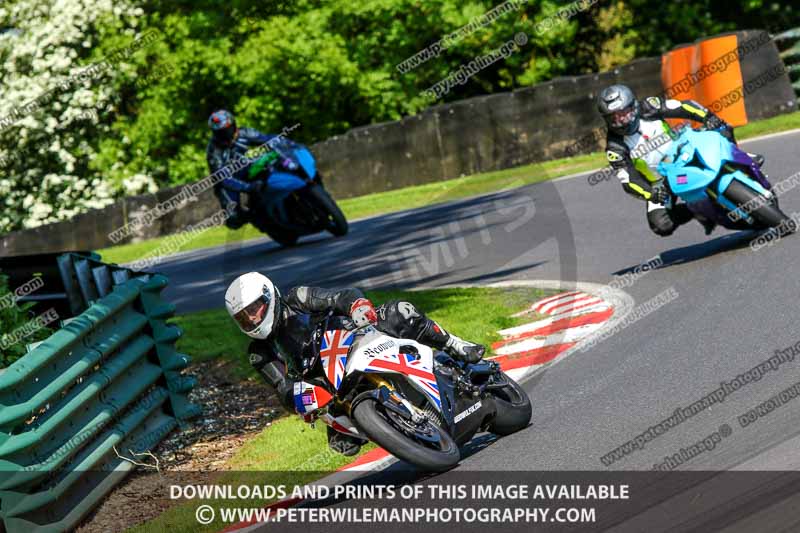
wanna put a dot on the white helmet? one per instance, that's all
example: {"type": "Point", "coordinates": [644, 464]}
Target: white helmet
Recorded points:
{"type": "Point", "coordinates": [252, 300]}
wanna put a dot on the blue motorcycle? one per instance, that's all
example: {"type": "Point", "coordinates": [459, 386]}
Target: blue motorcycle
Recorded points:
{"type": "Point", "coordinates": [294, 202]}
{"type": "Point", "coordinates": [721, 183]}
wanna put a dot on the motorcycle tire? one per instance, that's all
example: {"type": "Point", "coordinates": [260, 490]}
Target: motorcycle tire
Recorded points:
{"type": "Point", "coordinates": [336, 221]}
{"type": "Point", "coordinates": [767, 215]}
{"type": "Point", "coordinates": [262, 222]}
{"type": "Point", "coordinates": [284, 237]}
{"type": "Point", "coordinates": [375, 425]}
{"type": "Point", "coordinates": [514, 409]}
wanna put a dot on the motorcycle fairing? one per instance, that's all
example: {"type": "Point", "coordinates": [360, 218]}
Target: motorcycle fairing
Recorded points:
{"type": "Point", "coordinates": [333, 352]}
{"type": "Point", "coordinates": [697, 170]}
{"type": "Point", "coordinates": [382, 355]}
{"type": "Point", "coordinates": [285, 182]}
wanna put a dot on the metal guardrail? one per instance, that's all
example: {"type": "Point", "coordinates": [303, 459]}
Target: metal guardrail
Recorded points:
{"type": "Point", "coordinates": [87, 279]}
{"type": "Point", "coordinates": [788, 43]}
{"type": "Point", "coordinates": [106, 384]}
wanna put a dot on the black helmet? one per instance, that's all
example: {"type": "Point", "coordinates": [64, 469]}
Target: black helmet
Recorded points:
{"type": "Point", "coordinates": [223, 127]}
{"type": "Point", "coordinates": [620, 109]}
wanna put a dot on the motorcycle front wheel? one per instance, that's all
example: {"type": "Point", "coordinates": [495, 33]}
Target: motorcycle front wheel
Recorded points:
{"type": "Point", "coordinates": [334, 219]}
{"type": "Point", "coordinates": [430, 448]}
{"type": "Point", "coordinates": [513, 408]}
{"type": "Point", "coordinates": [767, 214]}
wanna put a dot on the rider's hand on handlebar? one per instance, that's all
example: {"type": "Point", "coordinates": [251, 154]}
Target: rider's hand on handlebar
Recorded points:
{"type": "Point", "coordinates": [659, 194]}
{"type": "Point", "coordinates": [363, 313]}
{"type": "Point", "coordinates": [713, 122]}
{"type": "Point", "coordinates": [288, 164]}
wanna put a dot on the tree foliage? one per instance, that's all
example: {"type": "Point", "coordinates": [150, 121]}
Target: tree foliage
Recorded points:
{"type": "Point", "coordinates": [327, 64]}
{"type": "Point", "coordinates": [13, 317]}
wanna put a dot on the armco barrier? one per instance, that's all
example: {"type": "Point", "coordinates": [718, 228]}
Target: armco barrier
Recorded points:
{"type": "Point", "coordinates": [70, 281]}
{"type": "Point", "coordinates": [87, 279]}
{"type": "Point", "coordinates": [106, 384]}
{"type": "Point", "coordinates": [788, 43]}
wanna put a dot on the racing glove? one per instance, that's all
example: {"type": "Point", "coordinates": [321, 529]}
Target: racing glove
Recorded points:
{"type": "Point", "coordinates": [713, 122]}
{"type": "Point", "coordinates": [288, 164]}
{"type": "Point", "coordinates": [659, 194]}
{"type": "Point", "coordinates": [362, 312]}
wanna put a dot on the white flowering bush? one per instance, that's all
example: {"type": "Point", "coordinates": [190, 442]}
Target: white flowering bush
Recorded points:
{"type": "Point", "coordinates": [46, 156]}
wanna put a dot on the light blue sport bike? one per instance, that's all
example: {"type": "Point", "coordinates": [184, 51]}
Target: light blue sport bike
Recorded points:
{"type": "Point", "coordinates": [721, 183]}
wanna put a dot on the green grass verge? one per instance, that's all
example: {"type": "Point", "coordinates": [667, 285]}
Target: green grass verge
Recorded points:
{"type": "Point", "coordinates": [777, 124]}
{"type": "Point", "coordinates": [290, 452]}
{"type": "Point", "coordinates": [430, 193]}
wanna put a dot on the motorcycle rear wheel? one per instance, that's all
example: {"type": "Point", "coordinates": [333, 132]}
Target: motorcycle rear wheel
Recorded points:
{"type": "Point", "coordinates": [514, 409]}
{"type": "Point", "coordinates": [375, 424]}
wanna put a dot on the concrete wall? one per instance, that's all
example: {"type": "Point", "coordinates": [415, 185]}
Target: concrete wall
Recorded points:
{"type": "Point", "coordinates": [448, 141]}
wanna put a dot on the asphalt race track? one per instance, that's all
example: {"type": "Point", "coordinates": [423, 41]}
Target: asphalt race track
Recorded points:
{"type": "Point", "coordinates": [735, 308]}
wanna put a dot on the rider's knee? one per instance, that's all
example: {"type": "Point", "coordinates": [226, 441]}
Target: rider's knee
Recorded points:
{"type": "Point", "coordinates": [401, 317]}
{"type": "Point", "coordinates": [660, 223]}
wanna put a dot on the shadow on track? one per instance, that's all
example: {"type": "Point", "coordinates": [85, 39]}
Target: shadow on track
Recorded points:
{"type": "Point", "coordinates": [695, 252]}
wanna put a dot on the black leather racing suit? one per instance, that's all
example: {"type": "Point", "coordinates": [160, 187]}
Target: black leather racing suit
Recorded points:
{"type": "Point", "coordinates": [633, 173]}
{"type": "Point", "coordinates": [277, 358]}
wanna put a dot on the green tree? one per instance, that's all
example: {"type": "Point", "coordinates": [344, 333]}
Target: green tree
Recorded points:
{"type": "Point", "coordinates": [13, 317]}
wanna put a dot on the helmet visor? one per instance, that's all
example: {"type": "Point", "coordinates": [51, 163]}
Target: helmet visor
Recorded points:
{"type": "Point", "coordinates": [622, 118]}
{"type": "Point", "coordinates": [253, 315]}
{"type": "Point", "coordinates": [225, 136]}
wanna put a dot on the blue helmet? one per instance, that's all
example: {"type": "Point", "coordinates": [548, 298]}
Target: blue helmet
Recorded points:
{"type": "Point", "coordinates": [223, 127]}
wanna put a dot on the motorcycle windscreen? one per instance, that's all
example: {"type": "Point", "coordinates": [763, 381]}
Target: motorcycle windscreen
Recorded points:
{"type": "Point", "coordinates": [308, 398]}
{"type": "Point", "coordinates": [712, 147]}
{"type": "Point", "coordinates": [306, 160]}
{"type": "Point", "coordinates": [333, 353]}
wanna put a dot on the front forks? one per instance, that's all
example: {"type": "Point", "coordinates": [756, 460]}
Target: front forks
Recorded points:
{"type": "Point", "coordinates": [390, 399]}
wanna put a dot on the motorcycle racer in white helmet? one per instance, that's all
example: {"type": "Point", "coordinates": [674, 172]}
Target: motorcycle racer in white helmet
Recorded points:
{"type": "Point", "coordinates": [281, 329]}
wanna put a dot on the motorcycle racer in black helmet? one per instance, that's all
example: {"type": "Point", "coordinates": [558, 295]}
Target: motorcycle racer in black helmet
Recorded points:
{"type": "Point", "coordinates": [638, 138]}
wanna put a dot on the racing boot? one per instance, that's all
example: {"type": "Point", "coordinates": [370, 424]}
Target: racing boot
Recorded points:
{"type": "Point", "coordinates": [464, 350]}
{"type": "Point", "coordinates": [346, 445]}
